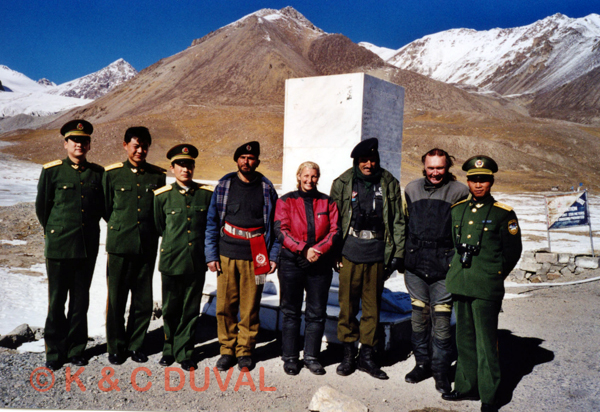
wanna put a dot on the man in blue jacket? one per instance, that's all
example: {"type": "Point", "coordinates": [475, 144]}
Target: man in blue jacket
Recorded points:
{"type": "Point", "coordinates": [241, 246]}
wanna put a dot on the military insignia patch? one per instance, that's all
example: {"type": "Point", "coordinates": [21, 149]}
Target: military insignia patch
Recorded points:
{"type": "Point", "coordinates": [513, 227]}
{"type": "Point", "coordinates": [79, 126]}
{"type": "Point", "coordinates": [479, 163]}
{"type": "Point", "coordinates": [248, 148]}
{"type": "Point", "coordinates": [185, 150]}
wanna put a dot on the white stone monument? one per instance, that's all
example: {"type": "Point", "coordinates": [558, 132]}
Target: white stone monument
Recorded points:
{"type": "Point", "coordinates": [326, 116]}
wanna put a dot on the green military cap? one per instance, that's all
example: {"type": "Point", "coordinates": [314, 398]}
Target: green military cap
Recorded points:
{"type": "Point", "coordinates": [182, 151]}
{"type": "Point", "coordinates": [78, 127]}
{"type": "Point", "coordinates": [252, 148]}
{"type": "Point", "coordinates": [480, 165]}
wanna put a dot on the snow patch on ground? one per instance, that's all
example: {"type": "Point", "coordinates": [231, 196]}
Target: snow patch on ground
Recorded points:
{"type": "Point", "coordinates": [24, 298]}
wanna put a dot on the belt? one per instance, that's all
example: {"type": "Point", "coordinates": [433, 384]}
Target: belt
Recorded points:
{"type": "Point", "coordinates": [431, 244]}
{"type": "Point", "coordinates": [247, 234]}
{"type": "Point", "coordinates": [365, 234]}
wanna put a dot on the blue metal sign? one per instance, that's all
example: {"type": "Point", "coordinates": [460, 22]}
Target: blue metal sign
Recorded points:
{"type": "Point", "coordinates": [568, 210]}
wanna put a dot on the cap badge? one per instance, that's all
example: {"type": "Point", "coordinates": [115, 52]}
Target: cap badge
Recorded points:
{"type": "Point", "coordinates": [79, 126]}
{"type": "Point", "coordinates": [185, 150]}
{"type": "Point", "coordinates": [248, 147]}
{"type": "Point", "coordinates": [479, 163]}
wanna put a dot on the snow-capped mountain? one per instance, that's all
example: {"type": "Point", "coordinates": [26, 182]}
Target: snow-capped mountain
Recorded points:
{"type": "Point", "coordinates": [22, 95]}
{"type": "Point", "coordinates": [534, 58]}
{"type": "Point", "coordinates": [99, 83]}
{"type": "Point", "coordinates": [46, 82]}
{"type": "Point", "coordinates": [382, 52]}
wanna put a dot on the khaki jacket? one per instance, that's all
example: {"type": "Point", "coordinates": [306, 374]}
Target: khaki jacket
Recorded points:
{"type": "Point", "coordinates": [393, 217]}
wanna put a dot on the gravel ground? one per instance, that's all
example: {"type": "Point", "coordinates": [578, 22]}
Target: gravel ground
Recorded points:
{"type": "Point", "coordinates": [548, 345]}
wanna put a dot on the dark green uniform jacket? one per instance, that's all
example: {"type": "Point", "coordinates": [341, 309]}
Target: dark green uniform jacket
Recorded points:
{"type": "Point", "coordinates": [129, 199]}
{"type": "Point", "coordinates": [497, 226]}
{"type": "Point", "coordinates": [393, 218]}
{"type": "Point", "coordinates": [180, 218]}
{"type": "Point", "coordinates": [69, 205]}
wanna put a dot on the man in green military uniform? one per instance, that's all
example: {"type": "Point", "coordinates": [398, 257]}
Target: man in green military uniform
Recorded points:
{"type": "Point", "coordinates": [131, 243]}
{"type": "Point", "coordinates": [488, 246]}
{"type": "Point", "coordinates": [180, 216]}
{"type": "Point", "coordinates": [368, 198]}
{"type": "Point", "coordinates": [69, 206]}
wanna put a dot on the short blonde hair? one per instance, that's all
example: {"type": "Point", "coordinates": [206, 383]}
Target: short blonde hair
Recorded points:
{"type": "Point", "coordinates": [306, 165]}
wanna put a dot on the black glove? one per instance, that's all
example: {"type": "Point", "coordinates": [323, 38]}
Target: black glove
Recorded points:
{"type": "Point", "coordinates": [395, 264]}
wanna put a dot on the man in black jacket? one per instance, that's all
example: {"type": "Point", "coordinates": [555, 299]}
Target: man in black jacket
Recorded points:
{"type": "Point", "coordinates": [429, 250]}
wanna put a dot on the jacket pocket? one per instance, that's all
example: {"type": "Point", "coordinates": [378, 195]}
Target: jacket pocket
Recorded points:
{"type": "Point", "coordinates": [123, 188]}
{"type": "Point", "coordinates": [53, 230]}
{"type": "Point", "coordinates": [65, 186]}
{"type": "Point", "coordinates": [233, 208]}
{"type": "Point", "coordinates": [114, 226]}
{"type": "Point", "coordinates": [65, 191]}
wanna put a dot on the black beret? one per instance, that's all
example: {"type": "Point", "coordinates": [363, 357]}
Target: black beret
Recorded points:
{"type": "Point", "coordinates": [182, 151]}
{"type": "Point", "coordinates": [141, 132]}
{"type": "Point", "coordinates": [366, 148]}
{"type": "Point", "coordinates": [77, 128]}
{"type": "Point", "coordinates": [480, 165]}
{"type": "Point", "coordinates": [252, 148]}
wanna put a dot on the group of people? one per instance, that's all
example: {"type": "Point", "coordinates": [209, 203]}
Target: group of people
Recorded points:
{"type": "Point", "coordinates": [455, 245]}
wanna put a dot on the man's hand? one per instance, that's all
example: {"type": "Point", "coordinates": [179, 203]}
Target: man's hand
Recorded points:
{"type": "Point", "coordinates": [214, 266]}
{"type": "Point", "coordinates": [337, 265]}
{"type": "Point", "coordinates": [273, 267]}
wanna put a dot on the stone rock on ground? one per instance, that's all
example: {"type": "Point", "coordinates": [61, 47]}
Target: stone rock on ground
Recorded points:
{"type": "Point", "coordinates": [17, 337]}
{"type": "Point", "coordinates": [327, 399]}
{"type": "Point", "coordinates": [587, 262]}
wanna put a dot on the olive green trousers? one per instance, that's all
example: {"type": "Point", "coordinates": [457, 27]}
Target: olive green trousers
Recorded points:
{"type": "Point", "coordinates": [360, 282]}
{"type": "Point", "coordinates": [478, 364]}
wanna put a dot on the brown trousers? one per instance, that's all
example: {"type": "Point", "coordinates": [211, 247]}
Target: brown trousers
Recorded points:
{"type": "Point", "coordinates": [237, 291]}
{"type": "Point", "coordinates": [360, 282]}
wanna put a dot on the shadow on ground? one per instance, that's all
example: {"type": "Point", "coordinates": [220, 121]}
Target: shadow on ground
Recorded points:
{"type": "Point", "coordinates": [518, 357]}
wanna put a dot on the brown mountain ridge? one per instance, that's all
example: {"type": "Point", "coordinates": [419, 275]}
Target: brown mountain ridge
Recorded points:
{"type": "Point", "coordinates": [228, 87]}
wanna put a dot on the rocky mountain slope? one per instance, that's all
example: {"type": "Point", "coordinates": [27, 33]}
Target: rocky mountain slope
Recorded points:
{"type": "Point", "coordinates": [229, 87]}
{"type": "Point", "coordinates": [538, 57]}
{"type": "Point", "coordinates": [21, 95]}
{"type": "Point", "coordinates": [97, 84]}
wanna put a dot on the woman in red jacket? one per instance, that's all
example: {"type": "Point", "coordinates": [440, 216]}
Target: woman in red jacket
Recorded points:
{"type": "Point", "coordinates": [306, 223]}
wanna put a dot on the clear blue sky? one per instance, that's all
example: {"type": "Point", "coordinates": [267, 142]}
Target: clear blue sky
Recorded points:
{"type": "Point", "coordinates": [66, 39]}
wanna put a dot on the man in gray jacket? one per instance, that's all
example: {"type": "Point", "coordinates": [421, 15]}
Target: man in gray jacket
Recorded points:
{"type": "Point", "coordinates": [429, 250]}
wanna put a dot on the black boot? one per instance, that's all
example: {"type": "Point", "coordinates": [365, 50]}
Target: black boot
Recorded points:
{"type": "Point", "coordinates": [442, 382]}
{"type": "Point", "coordinates": [367, 364]}
{"type": "Point", "coordinates": [419, 373]}
{"type": "Point", "coordinates": [348, 365]}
